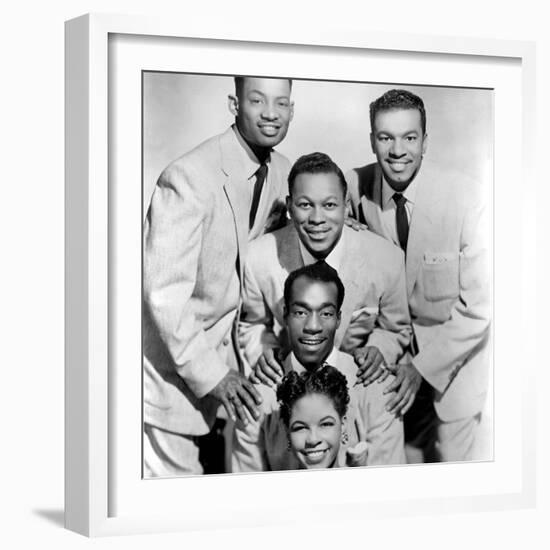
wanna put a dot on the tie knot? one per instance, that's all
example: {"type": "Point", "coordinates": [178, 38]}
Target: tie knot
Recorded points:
{"type": "Point", "coordinates": [261, 174]}
{"type": "Point", "coordinates": [399, 199]}
{"type": "Point", "coordinates": [262, 170]}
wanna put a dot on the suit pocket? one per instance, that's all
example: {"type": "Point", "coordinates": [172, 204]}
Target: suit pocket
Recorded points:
{"type": "Point", "coordinates": [440, 276]}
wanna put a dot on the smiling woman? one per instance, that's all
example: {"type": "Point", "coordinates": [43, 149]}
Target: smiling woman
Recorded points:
{"type": "Point", "coordinates": [313, 409]}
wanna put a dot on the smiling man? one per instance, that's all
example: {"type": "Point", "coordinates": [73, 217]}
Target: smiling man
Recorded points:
{"type": "Point", "coordinates": [437, 216]}
{"type": "Point", "coordinates": [313, 298]}
{"type": "Point", "coordinates": [375, 322]}
{"type": "Point", "coordinates": [205, 208]}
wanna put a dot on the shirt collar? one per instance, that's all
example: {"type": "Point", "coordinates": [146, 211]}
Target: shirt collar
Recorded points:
{"type": "Point", "coordinates": [296, 366]}
{"type": "Point", "coordinates": [250, 160]}
{"type": "Point", "coordinates": [388, 192]}
{"type": "Point", "coordinates": [334, 259]}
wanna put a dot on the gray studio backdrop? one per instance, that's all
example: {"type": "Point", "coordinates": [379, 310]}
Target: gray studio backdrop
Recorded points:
{"type": "Point", "coordinates": [181, 110]}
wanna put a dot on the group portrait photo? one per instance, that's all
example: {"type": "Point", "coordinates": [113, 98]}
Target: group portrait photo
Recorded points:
{"type": "Point", "coordinates": [317, 274]}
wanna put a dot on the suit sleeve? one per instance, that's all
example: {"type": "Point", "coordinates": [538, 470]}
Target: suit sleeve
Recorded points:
{"type": "Point", "coordinates": [392, 332]}
{"type": "Point", "coordinates": [382, 431]}
{"type": "Point", "coordinates": [256, 323]}
{"type": "Point", "coordinates": [172, 243]}
{"type": "Point", "coordinates": [449, 345]}
{"type": "Point", "coordinates": [248, 453]}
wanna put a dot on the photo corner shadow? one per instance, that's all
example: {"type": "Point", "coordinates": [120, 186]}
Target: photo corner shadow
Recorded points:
{"type": "Point", "coordinates": [52, 515]}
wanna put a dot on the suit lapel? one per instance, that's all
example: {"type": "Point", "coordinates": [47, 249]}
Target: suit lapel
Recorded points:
{"type": "Point", "coordinates": [235, 191]}
{"type": "Point", "coordinates": [288, 248]}
{"type": "Point", "coordinates": [420, 228]}
{"type": "Point", "coordinates": [266, 200]}
{"type": "Point", "coordinates": [374, 205]}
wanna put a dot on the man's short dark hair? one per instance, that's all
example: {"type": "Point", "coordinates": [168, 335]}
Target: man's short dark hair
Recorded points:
{"type": "Point", "coordinates": [398, 100]}
{"type": "Point", "coordinates": [239, 84]}
{"type": "Point", "coordinates": [320, 272]}
{"type": "Point", "coordinates": [315, 163]}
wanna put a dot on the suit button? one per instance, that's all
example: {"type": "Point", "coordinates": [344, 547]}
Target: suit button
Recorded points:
{"type": "Point", "coordinates": [225, 341]}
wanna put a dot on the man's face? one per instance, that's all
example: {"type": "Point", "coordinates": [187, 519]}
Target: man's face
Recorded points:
{"type": "Point", "coordinates": [318, 209]}
{"type": "Point", "coordinates": [312, 319]}
{"type": "Point", "coordinates": [314, 431]}
{"type": "Point", "coordinates": [263, 111]}
{"type": "Point", "coordinates": [398, 142]}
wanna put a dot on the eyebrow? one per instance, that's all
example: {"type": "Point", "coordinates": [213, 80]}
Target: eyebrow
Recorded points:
{"type": "Point", "coordinates": [391, 134]}
{"type": "Point", "coordinates": [308, 307]}
{"type": "Point", "coordinates": [304, 196]}
{"type": "Point", "coordinates": [254, 91]}
{"type": "Point", "coordinates": [303, 423]}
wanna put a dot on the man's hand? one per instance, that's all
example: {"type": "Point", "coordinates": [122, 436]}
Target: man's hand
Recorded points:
{"type": "Point", "coordinates": [239, 397]}
{"type": "Point", "coordinates": [354, 224]}
{"type": "Point", "coordinates": [268, 370]}
{"type": "Point", "coordinates": [371, 365]}
{"type": "Point", "coordinates": [406, 384]}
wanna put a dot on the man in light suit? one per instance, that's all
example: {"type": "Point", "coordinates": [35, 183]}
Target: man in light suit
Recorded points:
{"type": "Point", "coordinates": [205, 208]}
{"type": "Point", "coordinates": [375, 323]}
{"type": "Point", "coordinates": [438, 218]}
{"type": "Point", "coordinates": [313, 298]}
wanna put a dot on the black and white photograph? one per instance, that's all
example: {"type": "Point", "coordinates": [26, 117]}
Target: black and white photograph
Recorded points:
{"type": "Point", "coordinates": [317, 274]}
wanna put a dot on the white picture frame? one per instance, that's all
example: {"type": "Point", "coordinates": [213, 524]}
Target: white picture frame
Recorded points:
{"type": "Point", "coordinates": [95, 229]}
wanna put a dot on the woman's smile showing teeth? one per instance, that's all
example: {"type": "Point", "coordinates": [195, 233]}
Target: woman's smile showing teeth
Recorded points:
{"type": "Point", "coordinates": [315, 456]}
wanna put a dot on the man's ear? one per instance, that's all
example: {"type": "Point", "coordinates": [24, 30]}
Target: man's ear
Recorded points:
{"type": "Point", "coordinates": [338, 318]}
{"type": "Point", "coordinates": [291, 110]}
{"type": "Point", "coordinates": [425, 144]}
{"type": "Point", "coordinates": [233, 104]}
{"type": "Point", "coordinates": [372, 142]}
{"type": "Point", "coordinates": [288, 202]}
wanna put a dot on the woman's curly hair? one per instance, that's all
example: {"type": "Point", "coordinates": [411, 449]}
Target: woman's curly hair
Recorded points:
{"type": "Point", "coordinates": [325, 381]}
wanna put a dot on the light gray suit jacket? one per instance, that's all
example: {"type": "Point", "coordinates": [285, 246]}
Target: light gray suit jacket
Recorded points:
{"type": "Point", "coordinates": [448, 280]}
{"type": "Point", "coordinates": [195, 242]}
{"type": "Point", "coordinates": [262, 444]}
{"type": "Point", "coordinates": [374, 311]}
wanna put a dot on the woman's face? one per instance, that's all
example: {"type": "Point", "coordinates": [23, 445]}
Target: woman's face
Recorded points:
{"type": "Point", "coordinates": [315, 430]}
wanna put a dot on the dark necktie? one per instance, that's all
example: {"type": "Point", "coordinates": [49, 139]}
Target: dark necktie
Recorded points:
{"type": "Point", "coordinates": [261, 174]}
{"type": "Point", "coordinates": [401, 220]}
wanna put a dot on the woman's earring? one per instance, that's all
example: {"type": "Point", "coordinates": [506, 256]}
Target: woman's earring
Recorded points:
{"type": "Point", "coordinates": [288, 445]}
{"type": "Point", "coordinates": [345, 438]}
